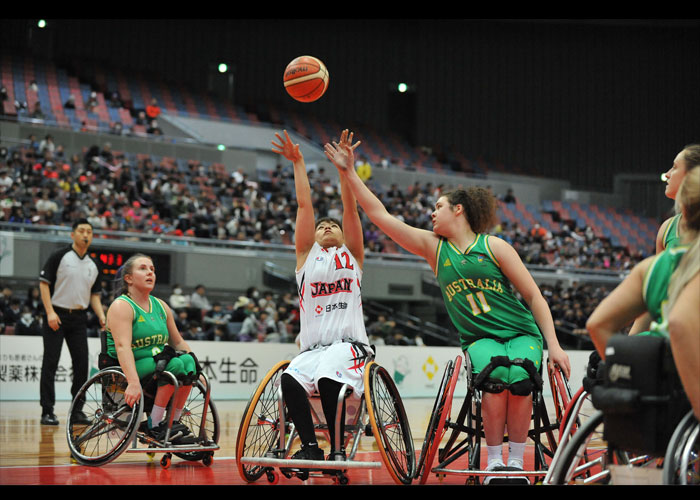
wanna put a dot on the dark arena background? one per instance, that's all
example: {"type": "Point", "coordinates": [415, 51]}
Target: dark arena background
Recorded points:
{"type": "Point", "coordinates": [570, 122]}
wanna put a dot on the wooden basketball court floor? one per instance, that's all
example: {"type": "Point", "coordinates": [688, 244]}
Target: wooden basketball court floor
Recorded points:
{"type": "Point", "coordinates": [33, 454]}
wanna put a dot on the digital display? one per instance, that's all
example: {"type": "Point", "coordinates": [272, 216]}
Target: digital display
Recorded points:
{"type": "Point", "coordinates": [111, 260]}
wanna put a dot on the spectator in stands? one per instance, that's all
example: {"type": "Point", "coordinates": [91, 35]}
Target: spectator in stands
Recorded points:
{"type": "Point", "coordinates": [251, 326]}
{"type": "Point", "coordinates": [28, 323]}
{"type": "Point", "coordinates": [509, 196]}
{"type": "Point", "coordinates": [153, 128]}
{"type": "Point", "coordinates": [70, 102]}
{"type": "Point", "coordinates": [92, 102]}
{"type": "Point", "coordinates": [178, 300]}
{"type": "Point", "coordinates": [215, 317]}
{"type": "Point", "coordinates": [199, 300]}
{"type": "Point", "coordinates": [153, 110]}
{"type": "Point", "coordinates": [37, 111]}
{"type": "Point", "coordinates": [114, 99]}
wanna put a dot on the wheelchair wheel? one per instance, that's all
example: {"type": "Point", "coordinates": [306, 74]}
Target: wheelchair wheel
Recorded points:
{"type": "Point", "coordinates": [682, 460]}
{"type": "Point", "coordinates": [436, 427]}
{"type": "Point", "coordinates": [259, 430]}
{"type": "Point", "coordinates": [586, 458]}
{"type": "Point", "coordinates": [113, 424]}
{"type": "Point", "coordinates": [192, 418]}
{"type": "Point", "coordinates": [389, 423]}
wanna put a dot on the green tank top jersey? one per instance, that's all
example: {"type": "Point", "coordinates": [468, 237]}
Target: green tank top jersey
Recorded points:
{"type": "Point", "coordinates": [655, 287]}
{"type": "Point", "coordinates": [478, 296]}
{"type": "Point", "coordinates": [149, 329]}
{"type": "Point", "coordinates": [671, 234]}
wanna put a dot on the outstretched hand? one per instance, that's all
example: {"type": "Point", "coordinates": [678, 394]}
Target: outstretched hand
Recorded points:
{"type": "Point", "coordinates": [342, 154]}
{"type": "Point", "coordinates": [287, 149]}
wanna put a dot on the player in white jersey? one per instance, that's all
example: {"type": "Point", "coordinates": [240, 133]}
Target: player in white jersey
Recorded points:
{"type": "Point", "coordinates": [333, 341]}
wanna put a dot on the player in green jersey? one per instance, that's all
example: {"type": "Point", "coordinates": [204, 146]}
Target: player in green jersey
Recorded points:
{"type": "Point", "coordinates": [476, 287]}
{"type": "Point", "coordinates": [687, 159]}
{"type": "Point", "coordinates": [646, 290]}
{"type": "Point", "coordinates": [139, 326]}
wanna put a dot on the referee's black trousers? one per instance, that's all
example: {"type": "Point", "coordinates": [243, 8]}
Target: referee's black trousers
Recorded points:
{"type": "Point", "coordinates": [73, 329]}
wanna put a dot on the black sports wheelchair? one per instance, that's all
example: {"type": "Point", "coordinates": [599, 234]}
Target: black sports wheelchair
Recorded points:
{"type": "Point", "coordinates": [631, 421]}
{"type": "Point", "coordinates": [113, 427]}
{"type": "Point", "coordinates": [453, 445]}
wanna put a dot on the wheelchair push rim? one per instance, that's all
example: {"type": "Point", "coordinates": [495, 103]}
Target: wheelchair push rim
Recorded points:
{"type": "Point", "coordinates": [389, 423]}
{"type": "Point", "coordinates": [258, 433]}
{"type": "Point", "coordinates": [113, 423]}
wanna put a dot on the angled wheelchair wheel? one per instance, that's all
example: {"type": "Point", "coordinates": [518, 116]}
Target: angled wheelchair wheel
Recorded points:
{"type": "Point", "coordinates": [389, 423]}
{"type": "Point", "coordinates": [436, 427]}
{"type": "Point", "coordinates": [586, 458]}
{"type": "Point", "coordinates": [112, 423]}
{"type": "Point", "coordinates": [682, 460]}
{"type": "Point", "coordinates": [259, 432]}
{"type": "Point", "coordinates": [191, 417]}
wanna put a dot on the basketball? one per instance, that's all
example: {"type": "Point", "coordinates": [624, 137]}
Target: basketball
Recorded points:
{"type": "Point", "coordinates": [306, 79]}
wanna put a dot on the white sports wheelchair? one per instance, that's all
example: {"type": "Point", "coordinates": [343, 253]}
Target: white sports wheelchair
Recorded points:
{"type": "Point", "coordinates": [267, 438]}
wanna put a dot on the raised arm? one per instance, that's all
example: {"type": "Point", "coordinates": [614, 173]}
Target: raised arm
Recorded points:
{"type": "Point", "coordinates": [304, 230]}
{"type": "Point", "coordinates": [417, 241]}
{"type": "Point", "coordinates": [352, 227]}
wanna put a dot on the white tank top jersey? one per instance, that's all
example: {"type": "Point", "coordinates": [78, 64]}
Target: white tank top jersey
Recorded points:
{"type": "Point", "coordinates": [330, 302]}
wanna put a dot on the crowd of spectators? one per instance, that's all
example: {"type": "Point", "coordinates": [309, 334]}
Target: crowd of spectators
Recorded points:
{"type": "Point", "coordinates": [41, 183]}
{"type": "Point", "coordinates": [271, 316]}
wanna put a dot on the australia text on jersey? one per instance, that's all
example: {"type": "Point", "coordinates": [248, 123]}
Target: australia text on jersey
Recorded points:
{"type": "Point", "coordinates": [464, 284]}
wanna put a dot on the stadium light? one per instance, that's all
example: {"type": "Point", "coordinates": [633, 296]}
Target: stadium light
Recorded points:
{"type": "Point", "coordinates": [402, 87]}
{"type": "Point", "coordinates": [223, 68]}
{"type": "Point", "coordinates": [41, 23]}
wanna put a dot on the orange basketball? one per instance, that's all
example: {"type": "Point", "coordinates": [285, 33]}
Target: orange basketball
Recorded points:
{"type": "Point", "coordinates": [306, 79]}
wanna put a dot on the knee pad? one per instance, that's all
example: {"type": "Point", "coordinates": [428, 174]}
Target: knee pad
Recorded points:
{"type": "Point", "coordinates": [522, 388]}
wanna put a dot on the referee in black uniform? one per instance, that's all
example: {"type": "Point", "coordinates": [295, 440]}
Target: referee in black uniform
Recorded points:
{"type": "Point", "coordinates": [68, 284]}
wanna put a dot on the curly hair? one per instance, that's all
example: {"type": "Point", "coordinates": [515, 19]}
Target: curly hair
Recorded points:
{"type": "Point", "coordinates": [480, 207]}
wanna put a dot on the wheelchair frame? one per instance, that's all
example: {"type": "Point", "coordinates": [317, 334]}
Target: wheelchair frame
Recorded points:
{"type": "Point", "coordinates": [676, 462]}
{"type": "Point", "coordinates": [261, 449]}
{"type": "Point", "coordinates": [457, 446]}
{"type": "Point", "coordinates": [114, 420]}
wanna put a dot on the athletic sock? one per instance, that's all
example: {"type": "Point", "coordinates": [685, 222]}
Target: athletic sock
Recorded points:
{"type": "Point", "coordinates": [495, 454]}
{"type": "Point", "coordinates": [515, 454]}
{"type": "Point", "coordinates": [156, 416]}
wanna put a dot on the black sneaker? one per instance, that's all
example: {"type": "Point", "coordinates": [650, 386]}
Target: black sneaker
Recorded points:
{"type": "Point", "coordinates": [49, 419]}
{"type": "Point", "coordinates": [158, 432]}
{"type": "Point", "coordinates": [309, 452]}
{"type": "Point", "coordinates": [80, 418]}
{"type": "Point", "coordinates": [184, 434]}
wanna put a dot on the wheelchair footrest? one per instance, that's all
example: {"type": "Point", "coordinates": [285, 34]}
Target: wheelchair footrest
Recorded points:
{"type": "Point", "coordinates": [184, 448]}
{"type": "Point", "coordinates": [288, 463]}
{"type": "Point", "coordinates": [504, 472]}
